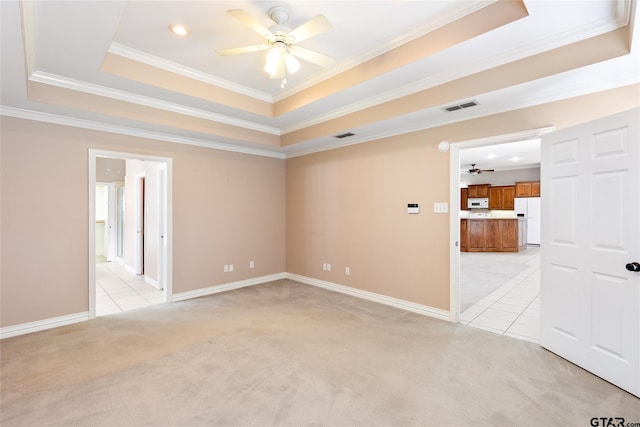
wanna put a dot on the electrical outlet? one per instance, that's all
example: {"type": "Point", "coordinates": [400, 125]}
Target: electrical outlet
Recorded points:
{"type": "Point", "coordinates": [230, 267]}
{"type": "Point", "coordinates": [324, 266]}
{"type": "Point", "coordinates": [347, 271]}
{"type": "Point", "coordinates": [252, 264]}
{"type": "Point", "coordinates": [328, 267]}
{"type": "Point", "coordinates": [226, 268]}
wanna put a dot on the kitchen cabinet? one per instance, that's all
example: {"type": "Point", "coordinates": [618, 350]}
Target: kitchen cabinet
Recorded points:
{"type": "Point", "coordinates": [481, 190]}
{"type": "Point", "coordinates": [493, 234]}
{"type": "Point", "coordinates": [464, 235]}
{"type": "Point", "coordinates": [464, 196]}
{"type": "Point", "coordinates": [528, 189]}
{"type": "Point", "coordinates": [502, 197]}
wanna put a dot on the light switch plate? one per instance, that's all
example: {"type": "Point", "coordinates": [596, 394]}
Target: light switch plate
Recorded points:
{"type": "Point", "coordinates": [441, 207]}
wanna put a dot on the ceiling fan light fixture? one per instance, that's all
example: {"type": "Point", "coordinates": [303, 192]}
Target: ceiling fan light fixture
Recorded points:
{"type": "Point", "coordinates": [291, 62]}
{"type": "Point", "coordinates": [273, 59]}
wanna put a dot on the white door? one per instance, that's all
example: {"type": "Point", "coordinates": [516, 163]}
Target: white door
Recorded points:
{"type": "Point", "coordinates": [589, 301]}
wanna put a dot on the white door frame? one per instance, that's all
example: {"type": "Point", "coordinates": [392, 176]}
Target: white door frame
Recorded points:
{"type": "Point", "coordinates": [454, 211]}
{"type": "Point", "coordinates": [166, 260]}
{"type": "Point", "coordinates": [162, 223]}
{"type": "Point", "coordinates": [140, 223]}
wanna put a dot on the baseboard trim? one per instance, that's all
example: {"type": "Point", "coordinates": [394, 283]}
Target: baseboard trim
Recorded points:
{"type": "Point", "coordinates": [181, 296]}
{"type": "Point", "coordinates": [152, 282]}
{"type": "Point", "coordinates": [54, 322]}
{"type": "Point", "coordinates": [42, 325]}
{"type": "Point", "coordinates": [371, 296]}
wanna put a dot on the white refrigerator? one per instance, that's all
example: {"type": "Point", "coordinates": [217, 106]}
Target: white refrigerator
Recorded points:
{"type": "Point", "coordinates": [529, 208]}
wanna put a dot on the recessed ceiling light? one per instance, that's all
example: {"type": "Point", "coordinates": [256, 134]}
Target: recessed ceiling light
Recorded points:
{"type": "Point", "coordinates": [515, 158]}
{"type": "Point", "coordinates": [179, 30]}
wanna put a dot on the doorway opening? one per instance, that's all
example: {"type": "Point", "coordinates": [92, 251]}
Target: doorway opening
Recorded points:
{"type": "Point", "coordinates": [495, 289]}
{"type": "Point", "coordinates": [129, 233]}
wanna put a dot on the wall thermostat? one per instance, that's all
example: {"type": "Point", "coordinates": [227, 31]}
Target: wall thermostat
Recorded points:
{"type": "Point", "coordinates": [413, 208]}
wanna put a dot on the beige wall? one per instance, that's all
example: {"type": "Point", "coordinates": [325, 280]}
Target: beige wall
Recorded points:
{"type": "Point", "coordinates": [348, 206]}
{"type": "Point", "coordinates": [228, 208]}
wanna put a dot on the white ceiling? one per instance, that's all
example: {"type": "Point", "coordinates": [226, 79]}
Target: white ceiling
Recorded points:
{"type": "Point", "coordinates": [66, 42]}
{"type": "Point", "coordinates": [511, 155]}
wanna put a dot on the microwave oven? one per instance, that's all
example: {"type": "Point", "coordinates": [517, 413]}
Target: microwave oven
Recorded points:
{"type": "Point", "coordinates": [478, 203]}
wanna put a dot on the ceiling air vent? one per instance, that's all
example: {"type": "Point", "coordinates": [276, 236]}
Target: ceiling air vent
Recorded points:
{"type": "Point", "coordinates": [344, 135]}
{"type": "Point", "coordinates": [461, 106]}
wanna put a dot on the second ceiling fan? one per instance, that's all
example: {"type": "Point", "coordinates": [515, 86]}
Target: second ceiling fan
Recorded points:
{"type": "Point", "coordinates": [282, 42]}
{"type": "Point", "coordinates": [476, 171]}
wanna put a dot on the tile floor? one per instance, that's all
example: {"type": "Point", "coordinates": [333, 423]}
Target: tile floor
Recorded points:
{"type": "Point", "coordinates": [514, 308]}
{"type": "Point", "coordinates": [118, 290]}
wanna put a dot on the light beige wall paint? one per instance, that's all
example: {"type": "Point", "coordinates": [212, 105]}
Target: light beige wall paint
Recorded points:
{"type": "Point", "coordinates": [228, 208]}
{"type": "Point", "coordinates": [348, 206]}
{"type": "Point", "coordinates": [345, 207]}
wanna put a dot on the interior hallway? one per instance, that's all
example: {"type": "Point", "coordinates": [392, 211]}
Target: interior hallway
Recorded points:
{"type": "Point", "coordinates": [500, 292]}
{"type": "Point", "coordinates": [118, 290]}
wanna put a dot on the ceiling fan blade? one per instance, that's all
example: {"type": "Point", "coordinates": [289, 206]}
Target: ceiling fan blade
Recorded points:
{"type": "Point", "coordinates": [245, 49]}
{"type": "Point", "coordinates": [316, 25]}
{"type": "Point", "coordinates": [252, 23]}
{"type": "Point", "coordinates": [488, 170]}
{"type": "Point", "coordinates": [311, 56]}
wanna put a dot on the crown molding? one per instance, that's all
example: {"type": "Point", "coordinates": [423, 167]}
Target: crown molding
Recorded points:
{"type": "Point", "coordinates": [93, 89]}
{"type": "Point", "coordinates": [129, 131]}
{"type": "Point", "coordinates": [28, 14]}
{"type": "Point", "coordinates": [593, 29]}
{"type": "Point", "coordinates": [163, 64]}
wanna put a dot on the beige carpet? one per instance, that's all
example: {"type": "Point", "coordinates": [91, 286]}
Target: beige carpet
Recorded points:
{"type": "Point", "coordinates": [290, 354]}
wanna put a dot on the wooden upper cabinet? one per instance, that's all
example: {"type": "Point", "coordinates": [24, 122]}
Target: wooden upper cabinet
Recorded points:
{"type": "Point", "coordinates": [508, 197]}
{"type": "Point", "coordinates": [495, 198]}
{"type": "Point", "coordinates": [464, 195]}
{"type": "Point", "coordinates": [502, 198]}
{"type": "Point", "coordinates": [528, 189]}
{"type": "Point", "coordinates": [481, 190]}
{"type": "Point", "coordinates": [535, 189]}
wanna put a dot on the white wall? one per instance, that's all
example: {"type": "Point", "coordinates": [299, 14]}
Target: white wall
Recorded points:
{"type": "Point", "coordinates": [508, 177]}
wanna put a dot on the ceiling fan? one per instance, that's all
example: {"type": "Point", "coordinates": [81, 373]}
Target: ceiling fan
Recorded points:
{"type": "Point", "coordinates": [476, 171]}
{"type": "Point", "coordinates": [282, 42]}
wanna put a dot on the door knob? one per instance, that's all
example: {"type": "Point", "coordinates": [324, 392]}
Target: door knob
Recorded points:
{"type": "Point", "coordinates": [633, 266]}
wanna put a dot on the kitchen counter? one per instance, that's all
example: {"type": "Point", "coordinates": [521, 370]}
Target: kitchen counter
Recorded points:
{"type": "Point", "coordinates": [493, 234]}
